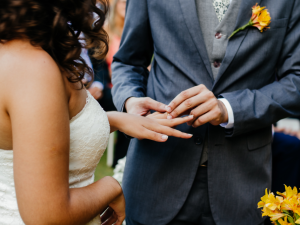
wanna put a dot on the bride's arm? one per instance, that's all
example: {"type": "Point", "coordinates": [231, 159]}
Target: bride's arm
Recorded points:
{"type": "Point", "coordinates": [38, 109]}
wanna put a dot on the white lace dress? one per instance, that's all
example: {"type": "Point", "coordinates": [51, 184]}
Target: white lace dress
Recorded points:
{"type": "Point", "coordinates": [89, 133]}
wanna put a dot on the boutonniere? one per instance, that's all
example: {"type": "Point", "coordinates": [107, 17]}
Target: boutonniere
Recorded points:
{"type": "Point", "coordinates": [260, 18]}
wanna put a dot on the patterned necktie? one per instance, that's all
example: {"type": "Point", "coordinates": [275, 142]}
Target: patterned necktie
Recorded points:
{"type": "Point", "coordinates": [221, 7]}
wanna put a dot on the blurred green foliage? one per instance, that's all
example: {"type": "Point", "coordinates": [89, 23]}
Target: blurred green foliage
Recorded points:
{"type": "Point", "coordinates": [102, 169]}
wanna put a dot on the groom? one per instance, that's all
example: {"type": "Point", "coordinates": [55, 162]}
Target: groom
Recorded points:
{"type": "Point", "coordinates": [234, 88]}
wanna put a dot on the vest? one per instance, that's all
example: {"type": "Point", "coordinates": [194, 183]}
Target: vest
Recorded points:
{"type": "Point", "coordinates": [215, 35]}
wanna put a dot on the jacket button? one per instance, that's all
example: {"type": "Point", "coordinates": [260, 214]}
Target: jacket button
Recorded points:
{"type": "Point", "coordinates": [198, 140]}
{"type": "Point", "coordinates": [218, 35]}
{"type": "Point", "coordinates": [217, 64]}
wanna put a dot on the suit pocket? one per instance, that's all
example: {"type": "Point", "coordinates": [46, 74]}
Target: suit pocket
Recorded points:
{"type": "Point", "coordinates": [274, 25]}
{"type": "Point", "coordinates": [259, 138]}
{"type": "Point", "coordinates": [279, 23]}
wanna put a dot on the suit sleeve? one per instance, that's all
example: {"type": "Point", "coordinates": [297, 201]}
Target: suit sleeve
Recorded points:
{"type": "Point", "coordinates": [255, 109]}
{"type": "Point", "coordinates": [129, 67]}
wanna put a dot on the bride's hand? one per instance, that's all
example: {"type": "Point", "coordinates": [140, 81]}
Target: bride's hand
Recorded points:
{"type": "Point", "coordinates": [115, 213]}
{"type": "Point", "coordinates": [154, 128]}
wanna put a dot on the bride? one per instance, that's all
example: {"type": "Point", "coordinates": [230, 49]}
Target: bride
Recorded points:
{"type": "Point", "coordinates": [52, 132]}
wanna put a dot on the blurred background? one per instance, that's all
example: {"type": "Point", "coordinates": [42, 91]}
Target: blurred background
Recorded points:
{"type": "Point", "coordinates": [101, 87]}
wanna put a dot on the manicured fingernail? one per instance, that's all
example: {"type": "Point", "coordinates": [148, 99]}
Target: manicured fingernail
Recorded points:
{"type": "Point", "coordinates": [190, 135]}
{"type": "Point", "coordinates": [169, 117]}
{"type": "Point", "coordinates": [165, 137]}
{"type": "Point", "coordinates": [168, 108]}
{"type": "Point", "coordinates": [191, 116]}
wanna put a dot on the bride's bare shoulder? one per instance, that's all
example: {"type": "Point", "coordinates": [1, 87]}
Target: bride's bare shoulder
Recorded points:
{"type": "Point", "coordinates": [25, 67]}
{"type": "Point", "coordinates": [19, 59]}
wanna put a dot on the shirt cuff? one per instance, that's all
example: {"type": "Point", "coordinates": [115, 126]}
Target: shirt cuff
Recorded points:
{"type": "Point", "coordinates": [97, 84]}
{"type": "Point", "coordinates": [230, 123]}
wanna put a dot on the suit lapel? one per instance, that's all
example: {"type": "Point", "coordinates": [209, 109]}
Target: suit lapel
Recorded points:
{"type": "Point", "coordinates": [189, 11]}
{"type": "Point", "coordinates": [235, 42]}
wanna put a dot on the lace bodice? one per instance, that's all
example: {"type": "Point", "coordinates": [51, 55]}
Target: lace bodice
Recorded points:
{"type": "Point", "coordinates": [89, 132]}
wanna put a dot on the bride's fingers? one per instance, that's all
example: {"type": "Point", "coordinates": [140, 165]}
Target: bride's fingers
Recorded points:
{"type": "Point", "coordinates": [175, 122]}
{"type": "Point", "coordinates": [171, 132]}
{"type": "Point", "coordinates": [154, 136]}
{"type": "Point", "coordinates": [108, 213]}
{"type": "Point", "coordinates": [152, 114]}
{"type": "Point", "coordinates": [158, 115]}
{"type": "Point", "coordinates": [120, 221]}
{"type": "Point", "coordinates": [111, 220]}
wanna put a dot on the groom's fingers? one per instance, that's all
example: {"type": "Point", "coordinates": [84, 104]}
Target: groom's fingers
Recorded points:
{"type": "Point", "coordinates": [151, 104]}
{"type": "Point", "coordinates": [191, 103]}
{"type": "Point", "coordinates": [183, 96]}
{"type": "Point", "coordinates": [200, 110]}
{"type": "Point", "coordinates": [175, 122]}
{"type": "Point", "coordinates": [207, 117]}
{"type": "Point", "coordinates": [157, 115]}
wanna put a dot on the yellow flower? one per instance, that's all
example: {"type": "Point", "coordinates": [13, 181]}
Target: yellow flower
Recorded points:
{"type": "Point", "coordinates": [260, 18]}
{"type": "Point", "coordinates": [274, 203]}
{"type": "Point", "coordinates": [289, 192]}
{"type": "Point", "coordinates": [284, 222]}
{"type": "Point", "coordinates": [263, 199]}
{"type": "Point", "coordinates": [256, 11]}
{"type": "Point", "coordinates": [275, 215]}
{"type": "Point", "coordinates": [291, 204]}
{"type": "Point", "coordinates": [269, 201]}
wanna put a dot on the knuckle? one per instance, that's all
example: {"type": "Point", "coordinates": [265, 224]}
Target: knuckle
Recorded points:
{"type": "Point", "coordinates": [214, 102]}
{"type": "Point", "coordinates": [209, 95]}
{"type": "Point", "coordinates": [193, 113]}
{"type": "Point", "coordinates": [215, 113]}
{"type": "Point", "coordinates": [175, 113]}
{"type": "Point", "coordinates": [200, 120]}
{"type": "Point", "coordinates": [147, 100]}
{"type": "Point", "coordinates": [184, 94]}
{"type": "Point", "coordinates": [211, 104]}
{"type": "Point", "coordinates": [196, 123]}
{"type": "Point", "coordinates": [188, 103]}
{"type": "Point", "coordinates": [202, 86]}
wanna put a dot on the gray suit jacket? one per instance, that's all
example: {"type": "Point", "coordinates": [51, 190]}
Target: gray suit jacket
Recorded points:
{"type": "Point", "coordinates": [158, 176]}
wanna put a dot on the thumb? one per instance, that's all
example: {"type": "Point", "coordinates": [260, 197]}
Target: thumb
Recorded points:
{"type": "Point", "coordinates": [154, 105]}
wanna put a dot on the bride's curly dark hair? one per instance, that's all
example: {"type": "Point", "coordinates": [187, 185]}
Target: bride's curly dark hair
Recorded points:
{"type": "Point", "coordinates": [55, 26]}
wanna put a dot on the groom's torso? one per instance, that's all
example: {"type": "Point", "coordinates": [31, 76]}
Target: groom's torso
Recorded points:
{"type": "Point", "coordinates": [182, 60]}
{"type": "Point", "coordinates": [158, 175]}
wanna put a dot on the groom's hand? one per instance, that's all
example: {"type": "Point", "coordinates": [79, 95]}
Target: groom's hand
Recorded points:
{"type": "Point", "coordinates": [142, 106]}
{"type": "Point", "coordinates": [201, 103]}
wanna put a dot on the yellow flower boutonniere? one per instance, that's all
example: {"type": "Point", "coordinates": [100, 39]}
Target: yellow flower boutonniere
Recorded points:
{"type": "Point", "coordinates": [260, 18]}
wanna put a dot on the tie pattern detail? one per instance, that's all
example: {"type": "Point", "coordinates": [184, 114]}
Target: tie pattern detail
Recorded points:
{"type": "Point", "coordinates": [221, 7]}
